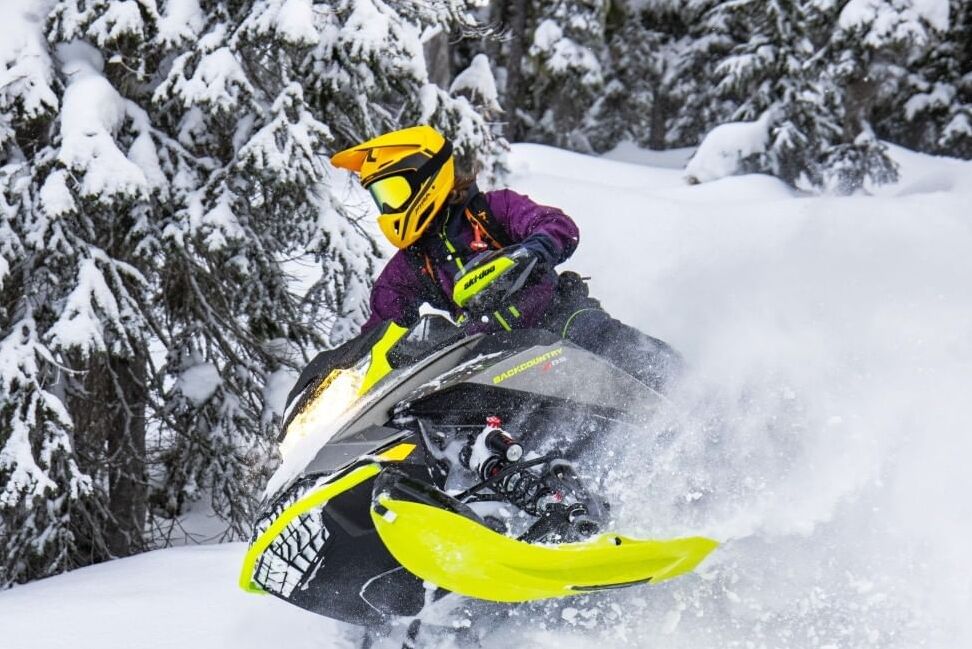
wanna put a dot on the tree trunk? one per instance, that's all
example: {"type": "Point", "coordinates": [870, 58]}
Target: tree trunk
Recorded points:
{"type": "Point", "coordinates": [514, 68]}
{"type": "Point", "coordinates": [438, 60]}
{"type": "Point", "coordinates": [497, 19]}
{"type": "Point", "coordinates": [659, 109]}
{"type": "Point", "coordinates": [109, 414]}
{"type": "Point", "coordinates": [128, 483]}
{"type": "Point", "coordinates": [858, 104]}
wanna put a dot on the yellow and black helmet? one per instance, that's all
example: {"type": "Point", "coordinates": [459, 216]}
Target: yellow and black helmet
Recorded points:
{"type": "Point", "coordinates": [409, 174]}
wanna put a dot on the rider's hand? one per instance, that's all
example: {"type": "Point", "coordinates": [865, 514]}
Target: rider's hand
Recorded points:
{"type": "Point", "coordinates": [541, 248]}
{"type": "Point", "coordinates": [491, 282]}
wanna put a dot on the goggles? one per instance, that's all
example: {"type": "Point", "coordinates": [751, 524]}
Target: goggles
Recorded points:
{"type": "Point", "coordinates": [393, 193]}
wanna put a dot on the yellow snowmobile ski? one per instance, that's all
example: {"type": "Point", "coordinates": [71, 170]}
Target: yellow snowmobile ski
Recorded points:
{"type": "Point", "coordinates": [463, 556]}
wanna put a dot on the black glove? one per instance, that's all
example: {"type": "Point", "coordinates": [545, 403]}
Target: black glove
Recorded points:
{"type": "Point", "coordinates": [542, 248]}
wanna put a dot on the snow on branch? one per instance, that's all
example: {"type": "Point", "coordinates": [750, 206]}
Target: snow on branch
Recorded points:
{"type": "Point", "coordinates": [93, 112]}
{"type": "Point", "coordinates": [92, 308]}
{"type": "Point", "coordinates": [291, 20]}
{"type": "Point", "coordinates": [19, 378]}
{"type": "Point", "coordinates": [119, 20]}
{"type": "Point", "coordinates": [217, 83]}
{"type": "Point", "coordinates": [182, 22]}
{"type": "Point", "coordinates": [894, 21]}
{"type": "Point", "coordinates": [478, 83]}
{"type": "Point", "coordinates": [26, 75]}
{"type": "Point", "coordinates": [287, 147]}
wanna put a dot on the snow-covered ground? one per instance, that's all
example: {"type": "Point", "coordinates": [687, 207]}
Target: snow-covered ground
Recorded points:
{"type": "Point", "coordinates": [825, 429]}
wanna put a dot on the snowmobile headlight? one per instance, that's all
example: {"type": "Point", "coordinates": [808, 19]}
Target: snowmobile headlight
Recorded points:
{"type": "Point", "coordinates": [331, 398]}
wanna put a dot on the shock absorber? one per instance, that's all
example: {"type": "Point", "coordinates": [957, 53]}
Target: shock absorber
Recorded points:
{"type": "Point", "coordinates": [494, 451]}
{"type": "Point", "coordinates": [491, 450]}
{"type": "Point", "coordinates": [493, 455]}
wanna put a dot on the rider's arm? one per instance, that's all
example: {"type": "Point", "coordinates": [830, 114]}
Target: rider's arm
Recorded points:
{"type": "Point", "coordinates": [396, 295]}
{"type": "Point", "coordinates": [545, 230]}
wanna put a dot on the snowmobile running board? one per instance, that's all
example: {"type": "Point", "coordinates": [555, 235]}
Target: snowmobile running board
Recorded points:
{"type": "Point", "coordinates": [463, 556]}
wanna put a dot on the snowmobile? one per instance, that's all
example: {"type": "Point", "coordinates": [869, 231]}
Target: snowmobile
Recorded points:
{"type": "Point", "coordinates": [420, 461]}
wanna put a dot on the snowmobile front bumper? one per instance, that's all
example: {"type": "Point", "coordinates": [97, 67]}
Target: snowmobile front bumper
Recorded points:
{"type": "Point", "coordinates": [458, 554]}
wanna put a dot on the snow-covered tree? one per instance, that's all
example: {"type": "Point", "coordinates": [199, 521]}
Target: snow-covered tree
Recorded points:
{"type": "Point", "coordinates": [874, 45]}
{"type": "Point", "coordinates": [930, 106]}
{"type": "Point", "coordinates": [163, 162]}
{"type": "Point", "coordinates": [796, 60]}
{"type": "Point", "coordinates": [657, 92]}
{"type": "Point", "coordinates": [76, 190]}
{"type": "Point", "coordinates": [549, 56]}
{"type": "Point", "coordinates": [564, 74]}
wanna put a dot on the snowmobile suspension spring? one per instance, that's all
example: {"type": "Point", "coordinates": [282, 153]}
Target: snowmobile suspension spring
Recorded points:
{"type": "Point", "coordinates": [523, 489]}
{"type": "Point", "coordinates": [516, 483]}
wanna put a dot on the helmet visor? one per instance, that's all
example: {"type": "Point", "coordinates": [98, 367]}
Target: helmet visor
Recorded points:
{"type": "Point", "coordinates": [390, 193]}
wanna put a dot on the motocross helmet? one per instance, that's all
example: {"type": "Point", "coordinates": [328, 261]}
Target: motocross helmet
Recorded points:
{"type": "Point", "coordinates": [409, 174]}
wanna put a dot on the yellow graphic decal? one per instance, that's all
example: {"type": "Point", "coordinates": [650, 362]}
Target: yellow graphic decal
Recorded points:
{"type": "Point", "coordinates": [468, 283]}
{"type": "Point", "coordinates": [522, 367]}
{"type": "Point", "coordinates": [380, 367]}
{"type": "Point", "coordinates": [397, 453]}
{"type": "Point", "coordinates": [479, 278]}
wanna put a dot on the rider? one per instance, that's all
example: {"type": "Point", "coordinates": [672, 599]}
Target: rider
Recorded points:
{"type": "Point", "coordinates": [440, 224]}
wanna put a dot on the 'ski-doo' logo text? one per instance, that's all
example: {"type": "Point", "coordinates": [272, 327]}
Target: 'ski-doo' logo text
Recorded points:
{"type": "Point", "coordinates": [522, 367]}
{"type": "Point", "coordinates": [489, 270]}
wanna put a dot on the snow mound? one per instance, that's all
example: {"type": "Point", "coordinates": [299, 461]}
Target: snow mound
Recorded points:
{"type": "Point", "coordinates": [628, 151]}
{"type": "Point", "coordinates": [183, 597]}
{"type": "Point", "coordinates": [725, 146]}
{"type": "Point", "coordinates": [922, 174]}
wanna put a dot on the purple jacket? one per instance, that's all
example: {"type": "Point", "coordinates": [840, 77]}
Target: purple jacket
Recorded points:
{"type": "Point", "coordinates": [401, 289]}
